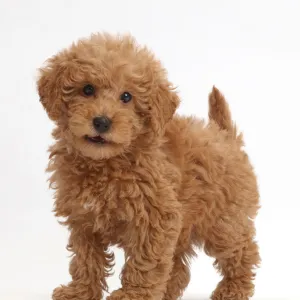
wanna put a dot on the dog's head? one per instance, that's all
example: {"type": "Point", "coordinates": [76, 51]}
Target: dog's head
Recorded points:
{"type": "Point", "coordinates": [106, 94]}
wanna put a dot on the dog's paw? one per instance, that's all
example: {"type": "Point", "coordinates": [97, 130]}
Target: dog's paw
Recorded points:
{"type": "Point", "coordinates": [128, 295]}
{"type": "Point", "coordinates": [71, 292]}
{"type": "Point", "coordinates": [63, 293]}
{"type": "Point", "coordinates": [231, 290]}
{"type": "Point", "coordinates": [118, 295]}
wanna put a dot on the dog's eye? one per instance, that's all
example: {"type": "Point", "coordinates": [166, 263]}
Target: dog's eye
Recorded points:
{"type": "Point", "coordinates": [126, 97]}
{"type": "Point", "coordinates": [88, 90]}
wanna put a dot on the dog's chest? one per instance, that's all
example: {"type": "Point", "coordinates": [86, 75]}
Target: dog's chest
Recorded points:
{"type": "Point", "coordinates": [114, 198]}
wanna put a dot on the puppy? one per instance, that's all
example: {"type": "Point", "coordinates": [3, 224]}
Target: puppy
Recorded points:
{"type": "Point", "coordinates": [127, 172]}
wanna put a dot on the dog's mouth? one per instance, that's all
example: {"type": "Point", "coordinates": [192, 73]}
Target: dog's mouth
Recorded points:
{"type": "Point", "coordinates": [98, 139]}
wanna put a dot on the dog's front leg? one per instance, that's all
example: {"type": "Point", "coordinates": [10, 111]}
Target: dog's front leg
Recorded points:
{"type": "Point", "coordinates": [89, 267]}
{"type": "Point", "coordinates": [149, 249]}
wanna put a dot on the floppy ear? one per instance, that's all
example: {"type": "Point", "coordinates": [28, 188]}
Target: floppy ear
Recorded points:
{"type": "Point", "coordinates": [164, 105]}
{"type": "Point", "coordinates": [49, 91]}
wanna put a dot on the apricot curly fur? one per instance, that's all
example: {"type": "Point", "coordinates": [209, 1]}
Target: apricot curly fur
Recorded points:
{"type": "Point", "coordinates": [159, 186]}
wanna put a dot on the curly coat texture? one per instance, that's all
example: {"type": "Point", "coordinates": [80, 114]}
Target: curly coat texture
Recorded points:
{"type": "Point", "coordinates": [158, 186]}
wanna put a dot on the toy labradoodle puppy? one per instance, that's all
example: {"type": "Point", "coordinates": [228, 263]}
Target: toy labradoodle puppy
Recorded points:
{"type": "Point", "coordinates": [128, 172]}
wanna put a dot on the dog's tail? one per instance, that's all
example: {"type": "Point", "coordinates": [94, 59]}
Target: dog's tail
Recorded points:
{"type": "Point", "coordinates": [219, 112]}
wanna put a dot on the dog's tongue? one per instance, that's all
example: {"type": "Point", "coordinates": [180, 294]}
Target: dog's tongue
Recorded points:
{"type": "Point", "coordinates": [98, 138]}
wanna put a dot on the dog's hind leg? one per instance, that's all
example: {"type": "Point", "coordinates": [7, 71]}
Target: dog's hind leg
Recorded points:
{"type": "Point", "coordinates": [236, 253]}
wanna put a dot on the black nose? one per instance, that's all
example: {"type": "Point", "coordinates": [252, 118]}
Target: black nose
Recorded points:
{"type": "Point", "coordinates": [102, 124]}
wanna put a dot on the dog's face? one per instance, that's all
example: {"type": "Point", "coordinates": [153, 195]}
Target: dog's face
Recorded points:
{"type": "Point", "coordinates": [105, 94]}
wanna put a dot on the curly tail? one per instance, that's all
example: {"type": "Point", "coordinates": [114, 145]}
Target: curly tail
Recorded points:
{"type": "Point", "coordinates": [219, 112]}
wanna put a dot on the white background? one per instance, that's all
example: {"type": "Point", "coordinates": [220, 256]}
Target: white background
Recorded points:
{"type": "Point", "coordinates": [249, 49]}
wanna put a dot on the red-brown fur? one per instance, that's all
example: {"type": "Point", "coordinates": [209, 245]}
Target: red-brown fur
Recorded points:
{"type": "Point", "coordinates": [163, 184]}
